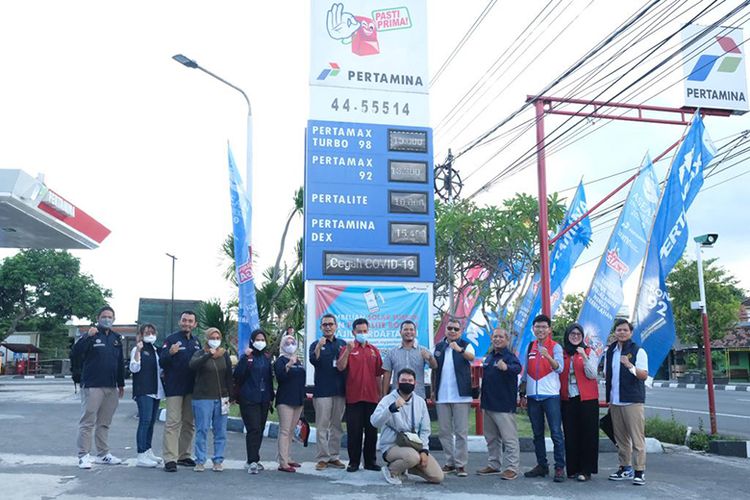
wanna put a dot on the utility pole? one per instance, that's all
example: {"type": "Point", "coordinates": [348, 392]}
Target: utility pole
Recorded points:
{"type": "Point", "coordinates": [171, 304]}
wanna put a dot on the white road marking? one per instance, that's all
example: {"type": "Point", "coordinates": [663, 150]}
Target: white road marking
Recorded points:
{"type": "Point", "coordinates": [700, 412]}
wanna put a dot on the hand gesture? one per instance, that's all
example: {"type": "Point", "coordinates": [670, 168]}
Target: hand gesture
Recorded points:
{"type": "Point", "coordinates": [92, 331]}
{"type": "Point", "coordinates": [454, 345]}
{"type": "Point", "coordinates": [292, 360]}
{"type": "Point", "coordinates": [426, 354]}
{"type": "Point", "coordinates": [501, 365]}
{"type": "Point", "coordinates": [341, 25]}
{"type": "Point", "coordinates": [349, 346]}
{"type": "Point", "coordinates": [400, 402]}
{"type": "Point", "coordinates": [544, 352]}
{"type": "Point", "coordinates": [581, 351]}
{"type": "Point", "coordinates": [218, 352]}
{"type": "Point", "coordinates": [322, 341]}
{"type": "Point", "coordinates": [212, 351]}
{"type": "Point", "coordinates": [175, 347]}
{"type": "Point", "coordinates": [139, 345]}
{"type": "Point", "coordinates": [625, 361]}
{"type": "Point", "coordinates": [248, 351]}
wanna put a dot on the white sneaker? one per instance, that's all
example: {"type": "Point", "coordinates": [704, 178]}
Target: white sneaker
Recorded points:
{"type": "Point", "coordinates": [145, 461]}
{"type": "Point", "coordinates": [150, 455]}
{"type": "Point", "coordinates": [252, 468]}
{"type": "Point", "coordinates": [85, 461]}
{"type": "Point", "coordinates": [108, 459]}
{"type": "Point", "coordinates": [390, 478]}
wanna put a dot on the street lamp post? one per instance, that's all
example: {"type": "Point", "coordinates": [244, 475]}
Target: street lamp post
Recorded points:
{"type": "Point", "coordinates": [171, 304]}
{"type": "Point", "coordinates": [190, 63]}
{"type": "Point", "coordinates": [706, 240]}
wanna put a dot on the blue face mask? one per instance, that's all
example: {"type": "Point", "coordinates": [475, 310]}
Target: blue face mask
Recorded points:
{"type": "Point", "coordinates": [106, 322]}
{"type": "Point", "coordinates": [361, 337]}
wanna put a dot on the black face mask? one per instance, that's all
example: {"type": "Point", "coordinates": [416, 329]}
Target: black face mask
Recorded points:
{"type": "Point", "coordinates": [405, 388]}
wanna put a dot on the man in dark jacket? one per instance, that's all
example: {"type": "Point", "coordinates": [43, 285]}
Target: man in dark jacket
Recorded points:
{"type": "Point", "coordinates": [499, 394]}
{"type": "Point", "coordinates": [174, 359]}
{"type": "Point", "coordinates": [452, 390]}
{"type": "Point", "coordinates": [328, 394]}
{"type": "Point", "coordinates": [625, 373]}
{"type": "Point", "coordinates": [102, 383]}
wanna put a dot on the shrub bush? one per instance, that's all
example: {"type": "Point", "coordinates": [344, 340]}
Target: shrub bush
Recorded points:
{"type": "Point", "coordinates": [667, 431]}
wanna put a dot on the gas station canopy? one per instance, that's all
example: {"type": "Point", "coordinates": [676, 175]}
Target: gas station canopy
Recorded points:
{"type": "Point", "coordinates": [34, 216]}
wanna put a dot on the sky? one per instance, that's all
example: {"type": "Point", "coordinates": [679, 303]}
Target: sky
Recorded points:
{"type": "Point", "coordinates": [91, 99]}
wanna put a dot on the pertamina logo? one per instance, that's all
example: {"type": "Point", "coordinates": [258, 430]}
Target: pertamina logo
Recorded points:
{"type": "Point", "coordinates": [332, 71]}
{"type": "Point", "coordinates": [616, 264]}
{"type": "Point", "coordinates": [706, 62]}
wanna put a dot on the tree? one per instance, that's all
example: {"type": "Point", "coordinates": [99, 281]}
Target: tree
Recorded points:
{"type": "Point", "coordinates": [722, 295]}
{"type": "Point", "coordinates": [212, 313]}
{"type": "Point", "coordinates": [486, 236]}
{"type": "Point", "coordinates": [566, 314]}
{"type": "Point", "coordinates": [46, 285]}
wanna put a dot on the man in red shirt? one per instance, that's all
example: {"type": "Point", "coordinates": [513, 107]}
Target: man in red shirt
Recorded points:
{"type": "Point", "coordinates": [364, 369]}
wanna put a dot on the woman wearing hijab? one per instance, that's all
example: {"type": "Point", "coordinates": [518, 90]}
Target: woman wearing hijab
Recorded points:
{"type": "Point", "coordinates": [290, 396]}
{"type": "Point", "coordinates": [147, 391]}
{"type": "Point", "coordinates": [253, 374]}
{"type": "Point", "coordinates": [213, 381]}
{"type": "Point", "coordinates": [579, 395]}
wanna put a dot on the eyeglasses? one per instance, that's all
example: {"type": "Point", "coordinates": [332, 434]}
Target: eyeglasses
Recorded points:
{"type": "Point", "coordinates": [452, 328]}
{"type": "Point", "coordinates": [327, 324]}
{"type": "Point", "coordinates": [575, 333]}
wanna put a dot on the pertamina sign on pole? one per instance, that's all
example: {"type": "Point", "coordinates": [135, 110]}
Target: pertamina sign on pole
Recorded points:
{"type": "Point", "coordinates": [369, 203]}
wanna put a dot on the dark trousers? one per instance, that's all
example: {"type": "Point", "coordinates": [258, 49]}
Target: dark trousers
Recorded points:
{"type": "Point", "coordinates": [581, 428]}
{"type": "Point", "coordinates": [548, 408]}
{"type": "Point", "coordinates": [254, 416]}
{"type": "Point", "coordinates": [148, 411]}
{"type": "Point", "coordinates": [357, 423]}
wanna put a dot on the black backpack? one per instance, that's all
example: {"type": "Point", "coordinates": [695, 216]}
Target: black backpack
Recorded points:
{"type": "Point", "coordinates": [76, 366]}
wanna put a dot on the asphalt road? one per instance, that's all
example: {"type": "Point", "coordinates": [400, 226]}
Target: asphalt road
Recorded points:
{"type": "Point", "coordinates": [37, 460]}
{"type": "Point", "coordinates": [690, 406]}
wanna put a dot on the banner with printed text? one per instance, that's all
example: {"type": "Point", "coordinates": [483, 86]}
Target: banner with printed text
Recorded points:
{"type": "Point", "coordinates": [654, 321]}
{"type": "Point", "coordinates": [623, 254]}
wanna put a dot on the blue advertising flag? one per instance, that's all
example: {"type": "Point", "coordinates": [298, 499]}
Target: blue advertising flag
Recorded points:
{"type": "Point", "coordinates": [625, 249]}
{"type": "Point", "coordinates": [243, 257]}
{"type": "Point", "coordinates": [564, 255]}
{"type": "Point", "coordinates": [654, 322]}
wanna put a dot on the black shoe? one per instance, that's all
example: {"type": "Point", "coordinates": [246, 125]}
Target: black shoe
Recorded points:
{"type": "Point", "coordinates": [372, 467]}
{"type": "Point", "coordinates": [170, 467]}
{"type": "Point", "coordinates": [186, 462]}
{"type": "Point", "coordinates": [559, 475]}
{"type": "Point", "coordinates": [352, 468]}
{"type": "Point", "coordinates": [537, 471]}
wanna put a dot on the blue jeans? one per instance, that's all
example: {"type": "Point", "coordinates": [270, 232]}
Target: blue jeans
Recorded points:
{"type": "Point", "coordinates": [207, 413]}
{"type": "Point", "coordinates": [538, 410]}
{"type": "Point", "coordinates": [148, 411]}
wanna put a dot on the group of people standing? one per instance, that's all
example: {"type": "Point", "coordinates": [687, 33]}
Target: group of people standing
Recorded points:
{"type": "Point", "coordinates": [559, 386]}
{"type": "Point", "coordinates": [373, 391]}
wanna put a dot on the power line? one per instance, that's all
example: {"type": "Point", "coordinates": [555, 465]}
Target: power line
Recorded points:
{"type": "Point", "coordinates": [463, 41]}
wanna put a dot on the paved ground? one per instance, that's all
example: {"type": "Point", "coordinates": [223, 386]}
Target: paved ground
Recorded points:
{"type": "Point", "coordinates": [37, 460]}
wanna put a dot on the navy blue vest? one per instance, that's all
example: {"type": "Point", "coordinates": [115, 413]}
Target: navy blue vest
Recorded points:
{"type": "Point", "coordinates": [461, 367]}
{"type": "Point", "coordinates": [146, 380]}
{"type": "Point", "coordinates": [632, 390]}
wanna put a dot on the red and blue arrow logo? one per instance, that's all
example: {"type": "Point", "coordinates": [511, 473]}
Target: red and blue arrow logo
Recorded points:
{"type": "Point", "coordinates": [706, 62]}
{"type": "Point", "coordinates": [332, 71]}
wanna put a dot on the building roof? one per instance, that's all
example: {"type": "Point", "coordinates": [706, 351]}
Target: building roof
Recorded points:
{"type": "Point", "coordinates": [737, 338]}
{"type": "Point", "coordinates": [24, 348]}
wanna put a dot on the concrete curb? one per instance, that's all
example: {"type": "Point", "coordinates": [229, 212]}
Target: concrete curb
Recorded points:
{"type": "Point", "coordinates": [477, 444]}
{"type": "Point", "coordinates": [739, 449]}
{"type": "Point", "coordinates": [29, 377]}
{"type": "Point", "coordinates": [718, 387]}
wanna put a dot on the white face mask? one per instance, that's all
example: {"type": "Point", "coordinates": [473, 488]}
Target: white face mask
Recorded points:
{"type": "Point", "coordinates": [290, 348]}
{"type": "Point", "coordinates": [214, 343]}
{"type": "Point", "coordinates": [149, 339]}
{"type": "Point", "coordinates": [259, 345]}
